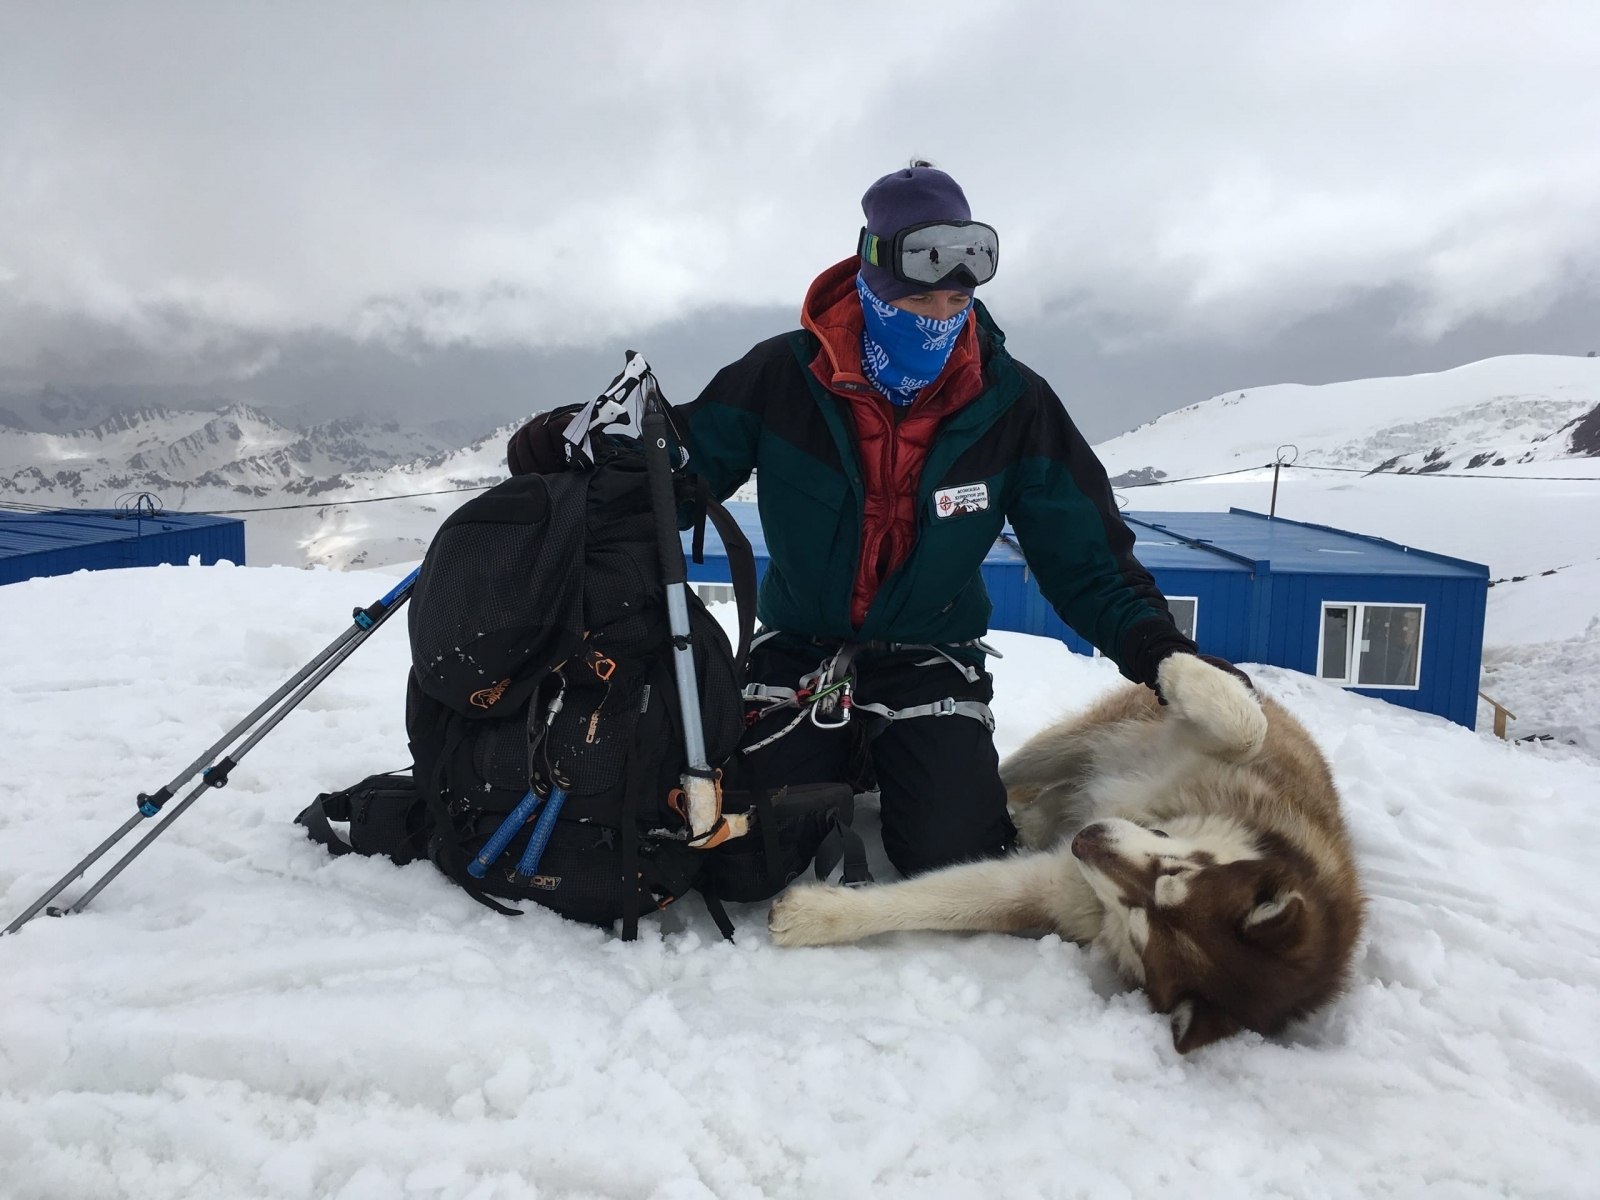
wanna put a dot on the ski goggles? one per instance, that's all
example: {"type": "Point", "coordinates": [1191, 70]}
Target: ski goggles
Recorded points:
{"type": "Point", "coordinates": [936, 253]}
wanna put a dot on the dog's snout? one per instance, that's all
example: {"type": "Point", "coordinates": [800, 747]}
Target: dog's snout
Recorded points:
{"type": "Point", "coordinates": [1090, 842]}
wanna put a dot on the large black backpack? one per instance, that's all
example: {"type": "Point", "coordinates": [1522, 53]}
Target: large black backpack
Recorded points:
{"type": "Point", "coordinates": [542, 656]}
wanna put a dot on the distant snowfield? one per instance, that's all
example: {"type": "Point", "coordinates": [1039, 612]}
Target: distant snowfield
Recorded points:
{"type": "Point", "coordinates": [1506, 407]}
{"type": "Point", "coordinates": [241, 1016]}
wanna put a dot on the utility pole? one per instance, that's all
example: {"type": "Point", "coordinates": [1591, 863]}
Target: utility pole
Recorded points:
{"type": "Point", "coordinates": [1278, 464]}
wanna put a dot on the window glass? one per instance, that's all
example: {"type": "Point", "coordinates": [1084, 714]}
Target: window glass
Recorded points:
{"type": "Point", "coordinates": [1390, 637]}
{"type": "Point", "coordinates": [1183, 612]}
{"type": "Point", "coordinates": [1335, 643]}
{"type": "Point", "coordinates": [713, 593]}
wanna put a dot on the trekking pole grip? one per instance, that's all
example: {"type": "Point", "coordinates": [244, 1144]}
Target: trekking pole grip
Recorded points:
{"type": "Point", "coordinates": [662, 501]}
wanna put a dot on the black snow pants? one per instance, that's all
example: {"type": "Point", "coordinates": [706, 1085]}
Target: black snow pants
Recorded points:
{"type": "Point", "coordinates": [938, 776]}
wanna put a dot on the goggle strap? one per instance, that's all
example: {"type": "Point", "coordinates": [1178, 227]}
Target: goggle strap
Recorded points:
{"type": "Point", "coordinates": [868, 246]}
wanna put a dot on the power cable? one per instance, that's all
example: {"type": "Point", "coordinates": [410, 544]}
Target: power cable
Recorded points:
{"type": "Point", "coordinates": [228, 512]}
{"type": "Point", "coordinates": [1448, 474]}
{"type": "Point", "coordinates": [1373, 471]}
{"type": "Point", "coordinates": [24, 506]}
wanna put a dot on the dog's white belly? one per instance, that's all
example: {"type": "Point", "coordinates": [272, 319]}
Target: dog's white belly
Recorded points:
{"type": "Point", "coordinates": [1130, 795]}
{"type": "Point", "coordinates": [1132, 775]}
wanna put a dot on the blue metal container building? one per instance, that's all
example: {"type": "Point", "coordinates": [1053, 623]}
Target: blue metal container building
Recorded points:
{"type": "Point", "coordinates": [1363, 613]}
{"type": "Point", "coordinates": [34, 544]}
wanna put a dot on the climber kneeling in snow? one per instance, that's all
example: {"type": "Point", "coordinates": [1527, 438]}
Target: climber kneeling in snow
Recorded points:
{"type": "Point", "coordinates": [893, 437]}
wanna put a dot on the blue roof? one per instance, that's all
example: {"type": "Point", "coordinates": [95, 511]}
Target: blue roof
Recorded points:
{"type": "Point", "coordinates": [1164, 549]}
{"type": "Point", "coordinates": [34, 532]}
{"type": "Point", "coordinates": [1234, 541]}
{"type": "Point", "coordinates": [1287, 547]}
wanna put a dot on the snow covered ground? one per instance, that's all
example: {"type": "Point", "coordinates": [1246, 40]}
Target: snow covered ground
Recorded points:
{"type": "Point", "coordinates": [241, 1016]}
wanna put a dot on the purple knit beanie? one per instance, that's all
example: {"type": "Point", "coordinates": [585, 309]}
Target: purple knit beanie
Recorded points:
{"type": "Point", "coordinates": [909, 196]}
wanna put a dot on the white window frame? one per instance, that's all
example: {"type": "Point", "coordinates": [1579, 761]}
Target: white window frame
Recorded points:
{"type": "Point", "coordinates": [713, 593]}
{"type": "Point", "coordinates": [1353, 651]}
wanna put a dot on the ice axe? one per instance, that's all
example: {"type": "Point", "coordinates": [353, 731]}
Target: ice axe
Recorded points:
{"type": "Point", "coordinates": [701, 785]}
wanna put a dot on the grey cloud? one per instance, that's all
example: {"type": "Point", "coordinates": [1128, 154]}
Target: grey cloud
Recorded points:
{"type": "Point", "coordinates": [207, 186]}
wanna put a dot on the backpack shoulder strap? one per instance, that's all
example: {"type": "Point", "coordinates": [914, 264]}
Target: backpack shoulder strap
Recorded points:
{"type": "Point", "coordinates": [741, 559]}
{"type": "Point", "coordinates": [742, 569]}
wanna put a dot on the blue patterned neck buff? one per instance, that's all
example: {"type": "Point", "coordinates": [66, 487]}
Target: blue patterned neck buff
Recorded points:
{"type": "Point", "coordinates": [901, 352]}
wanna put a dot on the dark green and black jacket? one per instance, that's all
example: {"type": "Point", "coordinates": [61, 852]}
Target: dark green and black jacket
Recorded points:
{"type": "Point", "coordinates": [770, 413]}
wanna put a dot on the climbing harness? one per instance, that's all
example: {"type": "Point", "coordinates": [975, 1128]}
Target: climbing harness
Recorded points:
{"type": "Point", "coordinates": [826, 696]}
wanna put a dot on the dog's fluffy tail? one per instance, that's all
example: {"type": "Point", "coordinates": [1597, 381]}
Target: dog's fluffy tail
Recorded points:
{"type": "Point", "coordinates": [1217, 708]}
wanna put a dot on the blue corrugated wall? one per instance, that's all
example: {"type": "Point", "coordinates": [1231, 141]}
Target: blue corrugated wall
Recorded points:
{"type": "Point", "coordinates": [1452, 639]}
{"type": "Point", "coordinates": [40, 544]}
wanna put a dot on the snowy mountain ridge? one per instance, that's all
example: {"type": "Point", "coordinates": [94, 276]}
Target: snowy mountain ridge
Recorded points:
{"type": "Point", "coordinates": [237, 449]}
{"type": "Point", "coordinates": [1500, 411]}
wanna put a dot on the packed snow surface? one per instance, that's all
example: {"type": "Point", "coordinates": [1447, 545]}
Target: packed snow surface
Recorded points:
{"type": "Point", "coordinates": [239, 1015]}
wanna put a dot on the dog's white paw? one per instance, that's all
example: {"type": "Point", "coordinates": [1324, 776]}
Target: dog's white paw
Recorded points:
{"type": "Point", "coordinates": [1216, 705]}
{"type": "Point", "coordinates": [813, 916]}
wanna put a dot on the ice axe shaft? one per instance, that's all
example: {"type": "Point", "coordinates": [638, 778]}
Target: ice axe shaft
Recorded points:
{"type": "Point", "coordinates": [701, 790]}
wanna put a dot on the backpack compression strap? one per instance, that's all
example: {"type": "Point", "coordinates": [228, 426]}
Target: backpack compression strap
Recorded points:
{"type": "Point", "coordinates": [384, 812]}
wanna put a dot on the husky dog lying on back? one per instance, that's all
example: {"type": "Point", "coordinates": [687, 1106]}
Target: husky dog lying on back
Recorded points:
{"type": "Point", "coordinates": [1199, 844]}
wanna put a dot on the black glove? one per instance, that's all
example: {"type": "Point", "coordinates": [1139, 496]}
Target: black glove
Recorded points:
{"type": "Point", "coordinates": [539, 447]}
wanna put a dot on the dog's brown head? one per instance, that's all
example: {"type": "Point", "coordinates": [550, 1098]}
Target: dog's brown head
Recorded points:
{"type": "Point", "coordinates": [1227, 929]}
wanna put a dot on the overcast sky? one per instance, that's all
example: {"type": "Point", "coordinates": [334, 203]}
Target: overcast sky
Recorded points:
{"type": "Point", "coordinates": [198, 193]}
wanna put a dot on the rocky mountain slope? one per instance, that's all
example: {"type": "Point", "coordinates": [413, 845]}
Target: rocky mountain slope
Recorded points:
{"type": "Point", "coordinates": [240, 450]}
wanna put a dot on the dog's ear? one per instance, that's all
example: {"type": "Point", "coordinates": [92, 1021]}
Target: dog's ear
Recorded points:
{"type": "Point", "coordinates": [1197, 1022]}
{"type": "Point", "coordinates": [1275, 920]}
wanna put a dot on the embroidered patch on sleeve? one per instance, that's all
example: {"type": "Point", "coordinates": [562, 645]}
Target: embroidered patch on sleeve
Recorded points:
{"type": "Point", "coordinates": [959, 500]}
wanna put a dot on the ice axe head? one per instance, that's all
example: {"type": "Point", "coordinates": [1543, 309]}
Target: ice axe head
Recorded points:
{"type": "Point", "coordinates": [619, 410]}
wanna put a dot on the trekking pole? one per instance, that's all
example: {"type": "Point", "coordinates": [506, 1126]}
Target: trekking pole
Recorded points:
{"type": "Point", "coordinates": [216, 776]}
{"type": "Point", "coordinates": [701, 785]}
{"type": "Point", "coordinates": [215, 773]}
